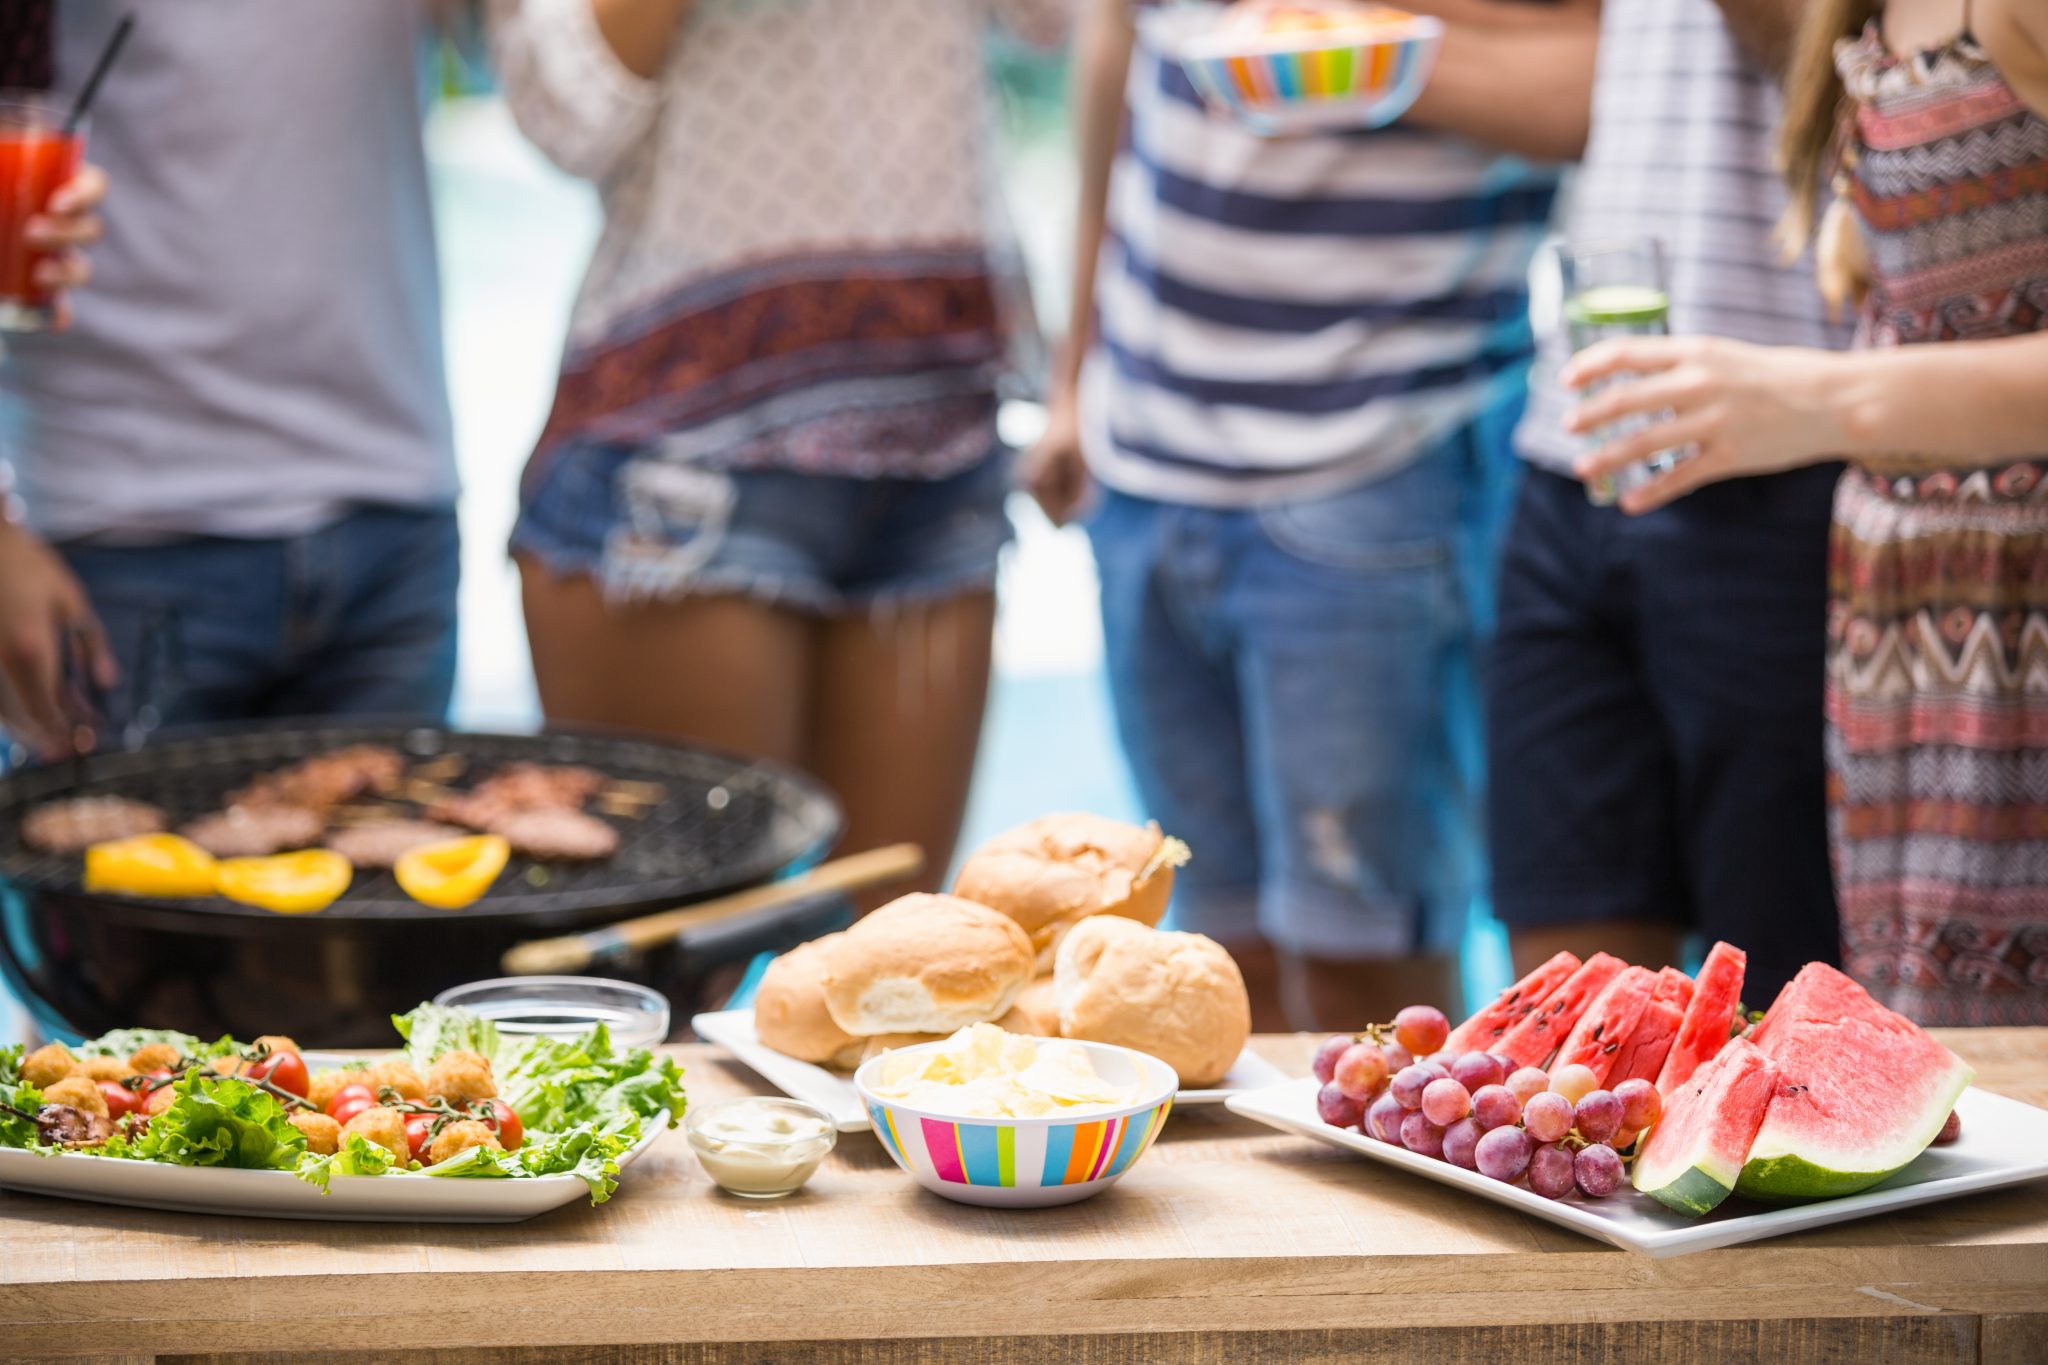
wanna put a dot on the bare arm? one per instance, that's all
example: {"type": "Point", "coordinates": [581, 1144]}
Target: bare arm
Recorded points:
{"type": "Point", "coordinates": [1102, 62]}
{"type": "Point", "coordinates": [2015, 36]}
{"type": "Point", "coordinates": [1054, 469]}
{"type": "Point", "coordinates": [1764, 29]}
{"type": "Point", "coordinates": [1760, 409]}
{"type": "Point", "coordinates": [1518, 77]}
{"type": "Point", "coordinates": [640, 31]}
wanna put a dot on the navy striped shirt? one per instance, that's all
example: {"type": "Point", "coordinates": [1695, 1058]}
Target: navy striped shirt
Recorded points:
{"type": "Point", "coordinates": [1284, 316]}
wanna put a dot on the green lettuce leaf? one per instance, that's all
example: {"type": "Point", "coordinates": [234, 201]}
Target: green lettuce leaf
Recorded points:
{"type": "Point", "coordinates": [17, 1095]}
{"type": "Point", "coordinates": [590, 1152]}
{"type": "Point", "coordinates": [125, 1042]}
{"type": "Point", "coordinates": [431, 1030]}
{"type": "Point", "coordinates": [558, 1084]}
{"type": "Point", "coordinates": [220, 1121]}
{"type": "Point", "coordinates": [356, 1156]}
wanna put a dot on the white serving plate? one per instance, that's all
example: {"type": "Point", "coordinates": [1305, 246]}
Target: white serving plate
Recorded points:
{"type": "Point", "coordinates": [733, 1030]}
{"type": "Point", "coordinates": [2004, 1142]}
{"type": "Point", "coordinates": [394, 1198]}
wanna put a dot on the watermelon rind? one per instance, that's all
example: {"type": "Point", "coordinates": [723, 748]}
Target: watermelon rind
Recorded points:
{"type": "Point", "coordinates": [1692, 1159]}
{"type": "Point", "coordinates": [1782, 1176]}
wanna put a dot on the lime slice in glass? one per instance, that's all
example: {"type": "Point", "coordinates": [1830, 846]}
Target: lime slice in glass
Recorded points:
{"type": "Point", "coordinates": [1619, 305]}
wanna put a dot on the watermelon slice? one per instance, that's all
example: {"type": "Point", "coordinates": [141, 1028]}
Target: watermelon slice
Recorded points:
{"type": "Point", "coordinates": [1531, 1042]}
{"type": "Point", "coordinates": [1717, 993]}
{"type": "Point", "coordinates": [1606, 1026]}
{"type": "Point", "coordinates": [1861, 1091]}
{"type": "Point", "coordinates": [1642, 1056]}
{"type": "Point", "coordinates": [1486, 1028]}
{"type": "Point", "coordinates": [1674, 985]}
{"type": "Point", "coordinates": [1694, 1156]}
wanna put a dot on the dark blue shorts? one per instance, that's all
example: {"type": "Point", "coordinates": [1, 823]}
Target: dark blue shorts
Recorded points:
{"type": "Point", "coordinates": [1654, 716]}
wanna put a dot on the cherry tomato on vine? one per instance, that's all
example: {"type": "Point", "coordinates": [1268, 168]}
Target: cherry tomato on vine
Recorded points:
{"type": "Point", "coordinates": [285, 1070]}
{"type": "Point", "coordinates": [348, 1094]}
{"type": "Point", "coordinates": [511, 1132]}
{"type": "Point", "coordinates": [341, 1111]}
{"type": "Point", "coordinates": [120, 1099]}
{"type": "Point", "coordinates": [419, 1134]}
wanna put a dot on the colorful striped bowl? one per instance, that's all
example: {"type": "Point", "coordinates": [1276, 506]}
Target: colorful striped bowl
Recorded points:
{"type": "Point", "coordinates": [1027, 1163]}
{"type": "Point", "coordinates": [1300, 82]}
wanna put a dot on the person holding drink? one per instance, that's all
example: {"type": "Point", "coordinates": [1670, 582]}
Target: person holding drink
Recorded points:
{"type": "Point", "coordinates": [234, 483]}
{"type": "Point", "coordinates": [1653, 709]}
{"type": "Point", "coordinates": [1928, 119]}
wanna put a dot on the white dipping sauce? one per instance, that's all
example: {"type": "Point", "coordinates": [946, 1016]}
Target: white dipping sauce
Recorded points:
{"type": "Point", "coordinates": [759, 1147]}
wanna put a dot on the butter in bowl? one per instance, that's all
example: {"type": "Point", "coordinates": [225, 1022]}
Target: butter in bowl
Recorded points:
{"type": "Point", "coordinates": [1008, 1121]}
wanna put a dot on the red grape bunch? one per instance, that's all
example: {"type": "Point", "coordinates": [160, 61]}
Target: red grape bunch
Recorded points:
{"type": "Point", "coordinates": [1556, 1132]}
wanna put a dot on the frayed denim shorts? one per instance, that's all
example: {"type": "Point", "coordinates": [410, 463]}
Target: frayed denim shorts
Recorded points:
{"type": "Point", "coordinates": [652, 529]}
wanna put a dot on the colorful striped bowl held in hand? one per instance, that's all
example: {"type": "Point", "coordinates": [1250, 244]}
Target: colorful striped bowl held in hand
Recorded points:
{"type": "Point", "coordinates": [1027, 1163]}
{"type": "Point", "coordinates": [1297, 67]}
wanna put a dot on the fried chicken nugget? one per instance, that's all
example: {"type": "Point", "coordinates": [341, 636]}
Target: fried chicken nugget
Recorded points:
{"type": "Point", "coordinates": [152, 1056]}
{"type": "Point", "coordinates": [399, 1075]}
{"type": "Point", "coordinates": [459, 1137]}
{"type": "Point", "coordinates": [323, 1134]}
{"type": "Point", "coordinates": [324, 1086]}
{"type": "Point", "coordinates": [48, 1065]}
{"type": "Point", "coordinates": [78, 1092]}
{"type": "Point", "coordinates": [461, 1077]}
{"type": "Point", "coordinates": [105, 1068]}
{"type": "Point", "coordinates": [159, 1100]}
{"type": "Point", "coordinates": [384, 1126]}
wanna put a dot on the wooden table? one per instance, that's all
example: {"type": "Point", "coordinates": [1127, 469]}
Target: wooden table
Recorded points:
{"type": "Point", "coordinates": [1228, 1242]}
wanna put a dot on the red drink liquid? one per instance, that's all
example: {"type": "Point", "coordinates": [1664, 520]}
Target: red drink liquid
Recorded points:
{"type": "Point", "coordinates": [36, 156]}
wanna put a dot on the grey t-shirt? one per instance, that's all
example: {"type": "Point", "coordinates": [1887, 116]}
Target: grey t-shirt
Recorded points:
{"type": "Point", "coordinates": [1683, 127]}
{"type": "Point", "coordinates": [260, 348]}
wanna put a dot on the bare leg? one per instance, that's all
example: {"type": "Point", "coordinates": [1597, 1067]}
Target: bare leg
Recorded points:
{"type": "Point", "coordinates": [896, 710]}
{"type": "Point", "coordinates": [724, 671]}
{"type": "Point", "coordinates": [1326, 995]}
{"type": "Point", "coordinates": [1644, 942]}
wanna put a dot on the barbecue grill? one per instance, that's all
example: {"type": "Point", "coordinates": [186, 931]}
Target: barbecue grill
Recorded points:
{"type": "Point", "coordinates": [88, 962]}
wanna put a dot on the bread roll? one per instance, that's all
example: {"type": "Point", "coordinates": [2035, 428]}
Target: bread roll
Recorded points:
{"type": "Point", "coordinates": [1179, 997]}
{"type": "Point", "coordinates": [789, 1008]}
{"type": "Point", "coordinates": [925, 964]}
{"type": "Point", "coordinates": [1059, 869]}
{"type": "Point", "coordinates": [1036, 1012]}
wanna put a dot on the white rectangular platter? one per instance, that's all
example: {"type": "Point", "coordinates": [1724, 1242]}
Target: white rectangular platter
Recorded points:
{"type": "Point", "coordinates": [2004, 1142]}
{"type": "Point", "coordinates": [399, 1197]}
{"type": "Point", "coordinates": [833, 1092]}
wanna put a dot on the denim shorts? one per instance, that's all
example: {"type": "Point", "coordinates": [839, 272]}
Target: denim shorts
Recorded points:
{"type": "Point", "coordinates": [654, 529]}
{"type": "Point", "coordinates": [1294, 688]}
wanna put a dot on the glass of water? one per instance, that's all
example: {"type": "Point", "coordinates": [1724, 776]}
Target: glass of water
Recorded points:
{"type": "Point", "coordinates": [1616, 289]}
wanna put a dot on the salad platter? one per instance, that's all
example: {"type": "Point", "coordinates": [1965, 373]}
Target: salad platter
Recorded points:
{"type": "Point", "coordinates": [834, 1092]}
{"type": "Point", "coordinates": [460, 1125]}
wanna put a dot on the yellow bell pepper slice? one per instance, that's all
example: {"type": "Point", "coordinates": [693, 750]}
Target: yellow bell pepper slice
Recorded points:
{"type": "Point", "coordinates": [289, 883]}
{"type": "Point", "coordinates": [451, 875]}
{"type": "Point", "coordinates": [150, 865]}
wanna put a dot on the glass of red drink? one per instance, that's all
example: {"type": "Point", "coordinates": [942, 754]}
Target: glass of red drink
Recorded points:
{"type": "Point", "coordinates": [36, 156]}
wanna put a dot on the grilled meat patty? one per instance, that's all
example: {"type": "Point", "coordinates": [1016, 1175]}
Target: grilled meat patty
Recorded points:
{"type": "Point", "coordinates": [324, 781]}
{"type": "Point", "coordinates": [255, 831]}
{"type": "Point", "coordinates": [557, 836]}
{"type": "Point", "coordinates": [381, 843]}
{"type": "Point", "coordinates": [76, 824]}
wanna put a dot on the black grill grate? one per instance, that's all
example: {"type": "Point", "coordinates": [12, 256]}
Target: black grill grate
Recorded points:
{"type": "Point", "coordinates": [720, 822]}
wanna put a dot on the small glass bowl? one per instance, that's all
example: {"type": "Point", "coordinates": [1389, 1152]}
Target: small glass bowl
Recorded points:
{"type": "Point", "coordinates": [566, 1006]}
{"type": "Point", "coordinates": [766, 1165]}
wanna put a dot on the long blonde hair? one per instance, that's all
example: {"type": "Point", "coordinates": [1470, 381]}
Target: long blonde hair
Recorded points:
{"type": "Point", "coordinates": [1809, 146]}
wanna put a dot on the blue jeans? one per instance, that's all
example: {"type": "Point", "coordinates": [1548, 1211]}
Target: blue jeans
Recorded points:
{"type": "Point", "coordinates": [356, 618]}
{"type": "Point", "coordinates": [1294, 689]}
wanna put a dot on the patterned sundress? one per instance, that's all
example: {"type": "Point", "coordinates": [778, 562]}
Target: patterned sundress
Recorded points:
{"type": "Point", "coordinates": [1937, 697]}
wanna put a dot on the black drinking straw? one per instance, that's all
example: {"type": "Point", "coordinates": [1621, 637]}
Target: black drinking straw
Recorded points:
{"type": "Point", "coordinates": [99, 73]}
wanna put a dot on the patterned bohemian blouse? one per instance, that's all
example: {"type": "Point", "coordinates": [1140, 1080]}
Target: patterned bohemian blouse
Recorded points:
{"type": "Point", "coordinates": [802, 264]}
